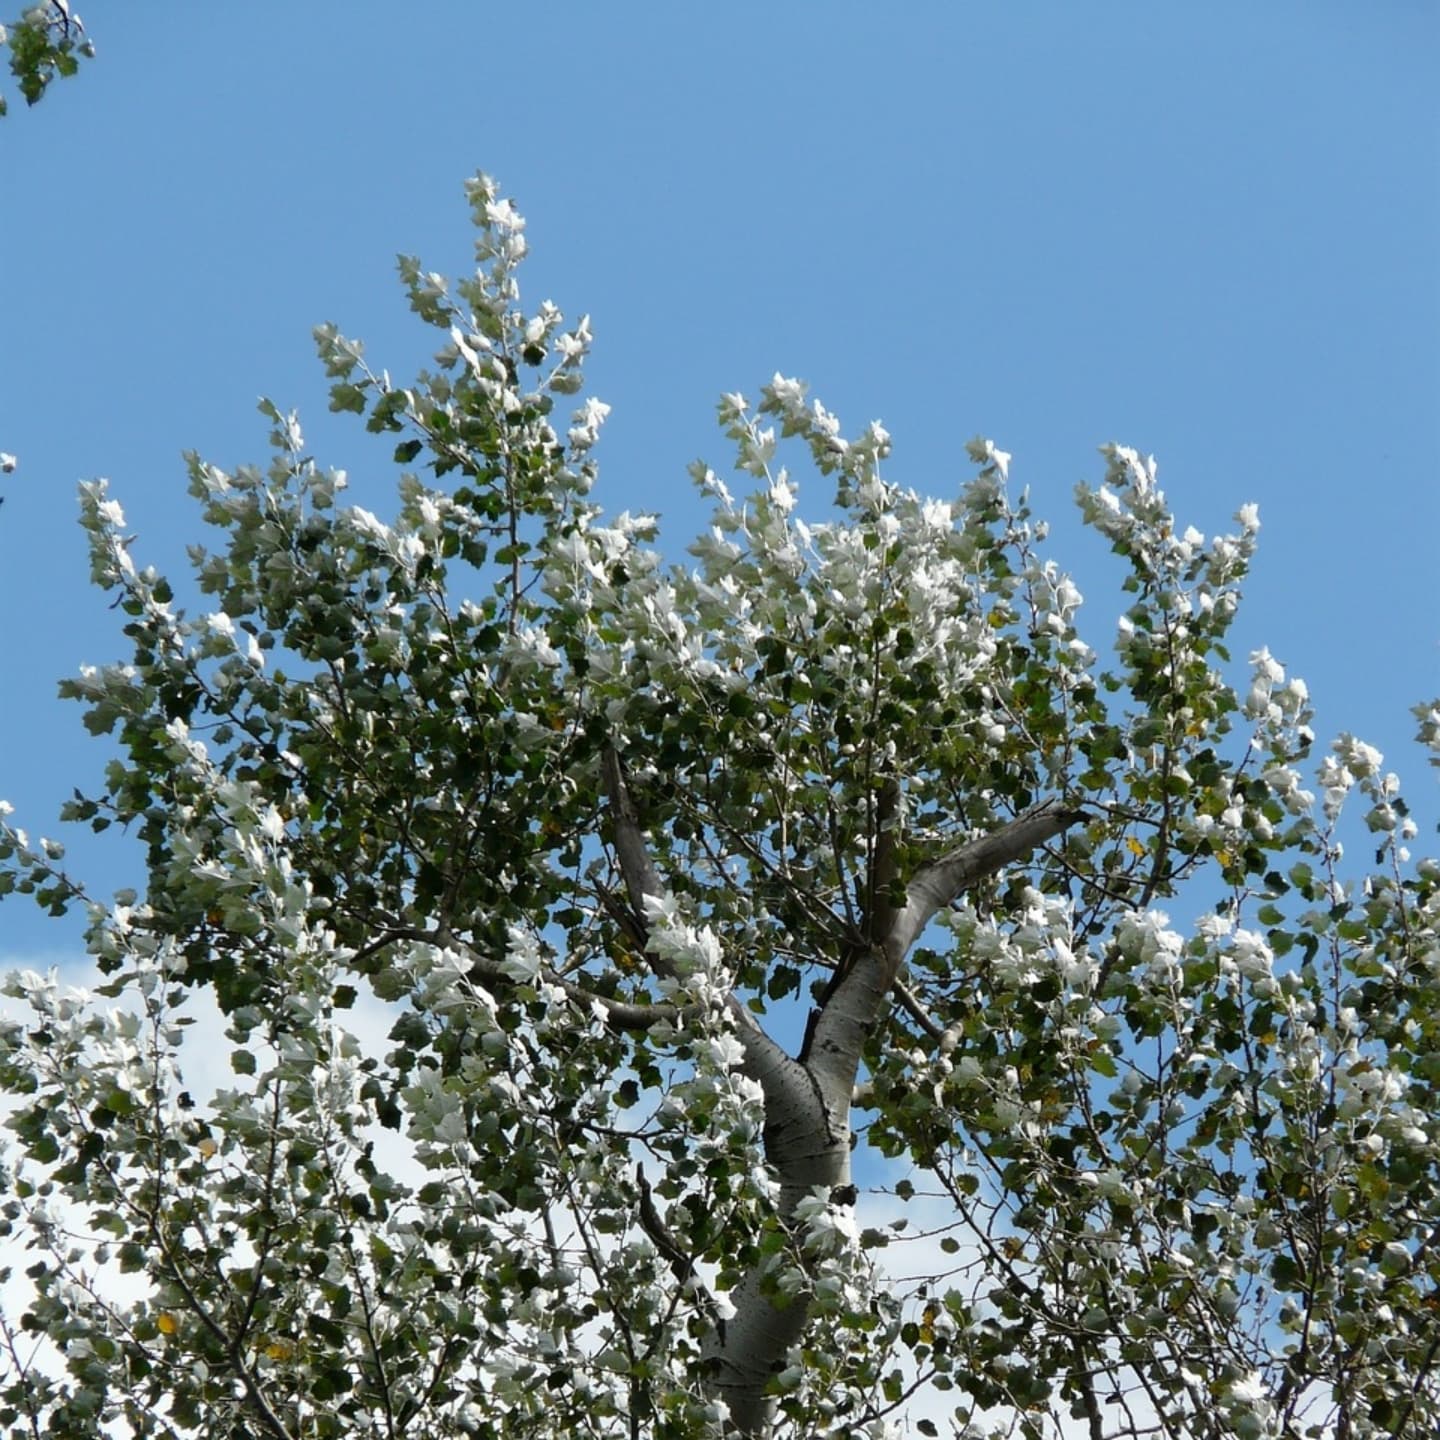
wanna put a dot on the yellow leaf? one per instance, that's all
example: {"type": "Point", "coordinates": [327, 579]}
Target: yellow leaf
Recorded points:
{"type": "Point", "coordinates": [166, 1323]}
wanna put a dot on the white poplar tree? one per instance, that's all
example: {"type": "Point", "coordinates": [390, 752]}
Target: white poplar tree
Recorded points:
{"type": "Point", "coordinates": [591, 825]}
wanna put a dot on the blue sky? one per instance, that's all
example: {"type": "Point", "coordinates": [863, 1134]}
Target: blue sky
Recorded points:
{"type": "Point", "coordinates": [1206, 231]}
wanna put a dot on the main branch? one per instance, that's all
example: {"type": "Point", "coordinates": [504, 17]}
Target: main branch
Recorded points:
{"type": "Point", "coordinates": [947, 878]}
{"type": "Point", "coordinates": [806, 1142]}
{"type": "Point", "coordinates": [858, 998]}
{"type": "Point", "coordinates": [642, 880]}
{"type": "Point", "coordinates": [807, 1101]}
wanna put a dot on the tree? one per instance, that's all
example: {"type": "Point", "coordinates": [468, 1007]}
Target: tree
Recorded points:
{"type": "Point", "coordinates": [593, 836]}
{"type": "Point", "coordinates": [46, 41]}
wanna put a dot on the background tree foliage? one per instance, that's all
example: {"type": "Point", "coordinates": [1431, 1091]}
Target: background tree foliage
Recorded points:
{"type": "Point", "coordinates": [45, 42]}
{"type": "Point", "coordinates": [596, 830]}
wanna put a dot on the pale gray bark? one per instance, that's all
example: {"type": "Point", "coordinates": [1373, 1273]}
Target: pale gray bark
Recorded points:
{"type": "Point", "coordinates": [808, 1099]}
{"type": "Point", "coordinates": [857, 1001]}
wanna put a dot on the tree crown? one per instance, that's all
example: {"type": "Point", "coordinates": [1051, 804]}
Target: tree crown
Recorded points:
{"type": "Point", "coordinates": [586, 827]}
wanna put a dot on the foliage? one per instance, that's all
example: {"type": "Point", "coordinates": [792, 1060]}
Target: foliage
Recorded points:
{"type": "Point", "coordinates": [589, 837]}
{"type": "Point", "coordinates": [46, 41]}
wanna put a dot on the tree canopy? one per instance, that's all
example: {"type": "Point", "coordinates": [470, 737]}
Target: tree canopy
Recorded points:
{"type": "Point", "coordinates": [826, 994]}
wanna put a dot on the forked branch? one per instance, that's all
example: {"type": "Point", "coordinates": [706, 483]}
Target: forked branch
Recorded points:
{"type": "Point", "coordinates": [935, 885]}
